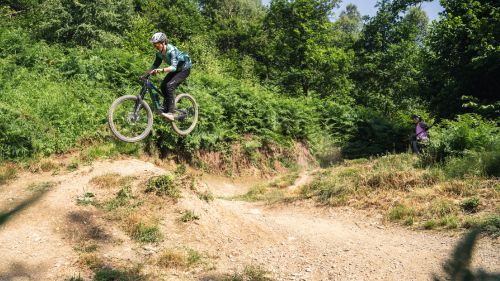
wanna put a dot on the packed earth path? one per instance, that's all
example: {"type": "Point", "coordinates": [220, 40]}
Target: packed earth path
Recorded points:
{"type": "Point", "coordinates": [42, 226]}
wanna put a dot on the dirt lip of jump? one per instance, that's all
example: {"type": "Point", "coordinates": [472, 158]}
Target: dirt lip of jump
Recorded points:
{"type": "Point", "coordinates": [294, 241]}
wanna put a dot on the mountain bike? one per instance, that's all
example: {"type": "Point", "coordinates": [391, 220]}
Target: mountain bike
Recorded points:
{"type": "Point", "coordinates": [130, 117]}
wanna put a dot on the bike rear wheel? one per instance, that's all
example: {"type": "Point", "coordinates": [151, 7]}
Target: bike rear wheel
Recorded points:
{"type": "Point", "coordinates": [186, 114]}
{"type": "Point", "coordinates": [129, 119]}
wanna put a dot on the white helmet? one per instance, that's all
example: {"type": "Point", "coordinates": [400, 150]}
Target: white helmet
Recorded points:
{"type": "Point", "coordinates": [158, 37]}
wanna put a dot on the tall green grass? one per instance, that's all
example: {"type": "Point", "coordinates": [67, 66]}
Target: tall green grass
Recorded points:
{"type": "Point", "coordinates": [468, 146]}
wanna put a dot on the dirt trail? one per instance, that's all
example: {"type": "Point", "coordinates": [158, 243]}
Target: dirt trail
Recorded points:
{"type": "Point", "coordinates": [297, 241]}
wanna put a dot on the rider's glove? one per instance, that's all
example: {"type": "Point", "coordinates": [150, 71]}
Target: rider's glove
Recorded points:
{"type": "Point", "coordinates": [156, 71]}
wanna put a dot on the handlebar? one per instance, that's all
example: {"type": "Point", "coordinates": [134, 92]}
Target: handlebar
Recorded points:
{"type": "Point", "coordinates": [144, 77]}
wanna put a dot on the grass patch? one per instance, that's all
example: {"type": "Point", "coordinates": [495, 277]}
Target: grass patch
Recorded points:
{"type": "Point", "coordinates": [7, 173]}
{"type": "Point", "coordinates": [441, 208]}
{"type": "Point", "coordinates": [193, 257]}
{"type": "Point", "coordinates": [329, 189]}
{"type": "Point", "coordinates": [90, 260]}
{"type": "Point", "coordinates": [262, 193]}
{"type": "Point", "coordinates": [430, 224]}
{"type": "Point", "coordinates": [431, 200]}
{"type": "Point", "coordinates": [188, 216]}
{"type": "Point", "coordinates": [251, 272]}
{"type": "Point", "coordinates": [285, 181]}
{"type": "Point", "coordinates": [109, 150]}
{"type": "Point", "coordinates": [41, 186]}
{"type": "Point", "coordinates": [468, 187]}
{"type": "Point", "coordinates": [111, 180]}
{"type": "Point", "coordinates": [470, 205]}
{"type": "Point", "coordinates": [86, 247]}
{"type": "Point", "coordinates": [175, 258]}
{"type": "Point", "coordinates": [73, 164]}
{"type": "Point", "coordinates": [122, 199]}
{"type": "Point", "coordinates": [489, 223]}
{"type": "Point", "coordinates": [145, 232]}
{"type": "Point", "coordinates": [44, 165]}
{"type": "Point", "coordinates": [254, 194]}
{"type": "Point", "coordinates": [74, 278]}
{"type": "Point", "coordinates": [164, 185]}
{"type": "Point", "coordinates": [48, 165]}
{"type": "Point", "coordinates": [111, 274]}
{"type": "Point", "coordinates": [172, 258]}
{"type": "Point", "coordinates": [441, 213]}
{"type": "Point", "coordinates": [88, 198]}
{"type": "Point", "coordinates": [450, 222]}
{"type": "Point", "coordinates": [402, 212]}
{"type": "Point", "coordinates": [180, 170]}
{"type": "Point", "coordinates": [206, 196]}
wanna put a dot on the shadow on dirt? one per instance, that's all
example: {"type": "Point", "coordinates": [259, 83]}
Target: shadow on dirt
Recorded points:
{"type": "Point", "coordinates": [15, 271]}
{"type": "Point", "coordinates": [109, 273]}
{"type": "Point", "coordinates": [458, 267]}
{"type": "Point", "coordinates": [4, 217]}
{"type": "Point", "coordinates": [83, 227]}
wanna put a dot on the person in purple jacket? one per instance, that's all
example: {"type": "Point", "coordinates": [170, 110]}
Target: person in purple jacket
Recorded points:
{"type": "Point", "coordinates": [421, 135]}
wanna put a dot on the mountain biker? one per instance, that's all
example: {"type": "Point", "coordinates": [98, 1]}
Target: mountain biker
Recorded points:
{"type": "Point", "coordinates": [421, 135]}
{"type": "Point", "coordinates": [178, 70]}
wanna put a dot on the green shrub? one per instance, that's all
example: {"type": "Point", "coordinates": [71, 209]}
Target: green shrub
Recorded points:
{"type": "Point", "coordinates": [429, 224]}
{"type": "Point", "coordinates": [164, 186]}
{"type": "Point", "coordinates": [491, 224]}
{"type": "Point", "coordinates": [122, 198]}
{"type": "Point", "coordinates": [470, 205]}
{"type": "Point", "coordinates": [180, 170]}
{"type": "Point", "coordinates": [188, 216]}
{"type": "Point", "coordinates": [193, 256]}
{"type": "Point", "coordinates": [41, 186]}
{"type": "Point", "coordinates": [449, 221]}
{"type": "Point", "coordinates": [375, 134]}
{"type": "Point", "coordinates": [89, 24]}
{"type": "Point", "coordinates": [401, 212]}
{"type": "Point", "coordinates": [146, 233]}
{"type": "Point", "coordinates": [467, 146]}
{"type": "Point", "coordinates": [76, 85]}
{"type": "Point", "coordinates": [485, 164]}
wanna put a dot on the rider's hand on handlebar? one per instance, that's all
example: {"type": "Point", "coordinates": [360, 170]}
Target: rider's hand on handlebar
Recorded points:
{"type": "Point", "coordinates": [156, 71]}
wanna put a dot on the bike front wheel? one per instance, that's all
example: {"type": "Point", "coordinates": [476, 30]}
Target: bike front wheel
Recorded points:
{"type": "Point", "coordinates": [130, 118]}
{"type": "Point", "coordinates": [186, 111]}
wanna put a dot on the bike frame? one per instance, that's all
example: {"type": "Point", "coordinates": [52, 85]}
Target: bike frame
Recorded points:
{"type": "Point", "coordinates": [148, 86]}
{"type": "Point", "coordinates": [153, 93]}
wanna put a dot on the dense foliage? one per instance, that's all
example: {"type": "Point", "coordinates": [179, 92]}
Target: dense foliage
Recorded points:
{"type": "Point", "coordinates": [463, 58]}
{"type": "Point", "coordinates": [467, 146]}
{"type": "Point", "coordinates": [262, 75]}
